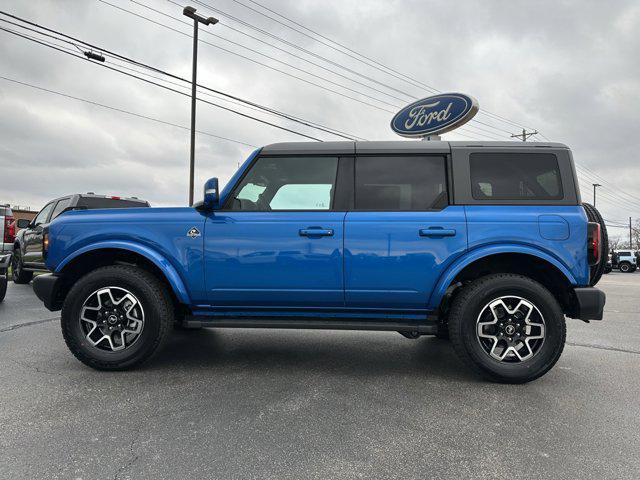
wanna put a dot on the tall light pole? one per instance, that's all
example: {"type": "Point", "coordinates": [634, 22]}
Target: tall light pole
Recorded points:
{"type": "Point", "coordinates": [595, 185]}
{"type": "Point", "coordinates": [197, 19]}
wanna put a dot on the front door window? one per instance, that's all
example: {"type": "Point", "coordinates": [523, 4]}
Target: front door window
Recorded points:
{"type": "Point", "coordinates": [287, 183]}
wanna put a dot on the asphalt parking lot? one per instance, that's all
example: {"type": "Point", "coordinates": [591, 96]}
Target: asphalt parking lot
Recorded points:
{"type": "Point", "coordinates": [262, 404]}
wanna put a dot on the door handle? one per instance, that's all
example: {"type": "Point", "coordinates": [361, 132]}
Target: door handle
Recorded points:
{"type": "Point", "coordinates": [316, 232]}
{"type": "Point", "coordinates": [437, 232]}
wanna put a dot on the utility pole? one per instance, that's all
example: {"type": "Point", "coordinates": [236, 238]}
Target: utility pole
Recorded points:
{"type": "Point", "coordinates": [630, 246]}
{"type": "Point", "coordinates": [197, 19]}
{"type": "Point", "coordinates": [524, 135]}
{"type": "Point", "coordinates": [595, 185]}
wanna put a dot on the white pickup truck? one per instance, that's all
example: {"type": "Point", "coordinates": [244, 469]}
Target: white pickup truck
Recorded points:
{"type": "Point", "coordinates": [7, 236]}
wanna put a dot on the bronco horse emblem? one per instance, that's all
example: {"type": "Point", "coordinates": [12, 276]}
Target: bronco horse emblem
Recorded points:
{"type": "Point", "coordinates": [193, 232]}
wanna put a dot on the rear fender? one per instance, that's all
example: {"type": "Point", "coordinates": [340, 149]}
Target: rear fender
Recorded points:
{"type": "Point", "coordinates": [150, 254]}
{"type": "Point", "coordinates": [456, 267]}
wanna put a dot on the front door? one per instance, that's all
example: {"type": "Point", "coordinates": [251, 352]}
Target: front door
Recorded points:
{"type": "Point", "coordinates": [33, 236]}
{"type": "Point", "coordinates": [278, 242]}
{"type": "Point", "coordinates": [402, 233]}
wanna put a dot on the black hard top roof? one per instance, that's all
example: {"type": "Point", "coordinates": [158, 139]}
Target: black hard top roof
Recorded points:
{"type": "Point", "coordinates": [398, 146]}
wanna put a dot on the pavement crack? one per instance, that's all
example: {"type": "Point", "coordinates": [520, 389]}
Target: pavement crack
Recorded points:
{"type": "Point", "coordinates": [27, 324]}
{"type": "Point", "coordinates": [28, 366]}
{"type": "Point", "coordinates": [134, 441]}
{"type": "Point", "coordinates": [132, 450]}
{"type": "Point", "coordinates": [604, 347]}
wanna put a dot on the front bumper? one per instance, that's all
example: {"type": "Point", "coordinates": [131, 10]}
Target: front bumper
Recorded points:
{"type": "Point", "coordinates": [47, 288]}
{"type": "Point", "coordinates": [589, 303]}
{"type": "Point", "coordinates": [5, 260]}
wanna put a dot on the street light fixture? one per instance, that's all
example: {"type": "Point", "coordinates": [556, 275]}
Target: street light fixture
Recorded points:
{"type": "Point", "coordinates": [595, 185]}
{"type": "Point", "coordinates": [197, 19]}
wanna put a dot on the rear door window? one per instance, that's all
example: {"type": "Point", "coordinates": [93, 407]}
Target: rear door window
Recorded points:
{"type": "Point", "coordinates": [400, 183]}
{"type": "Point", "coordinates": [515, 176]}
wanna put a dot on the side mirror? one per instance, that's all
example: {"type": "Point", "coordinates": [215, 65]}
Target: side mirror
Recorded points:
{"type": "Point", "coordinates": [211, 198]}
{"type": "Point", "coordinates": [23, 223]}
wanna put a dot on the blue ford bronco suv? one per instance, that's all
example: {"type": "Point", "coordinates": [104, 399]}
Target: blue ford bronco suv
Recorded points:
{"type": "Point", "coordinates": [487, 244]}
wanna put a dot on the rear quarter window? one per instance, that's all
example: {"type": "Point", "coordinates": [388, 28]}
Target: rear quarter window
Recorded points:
{"type": "Point", "coordinates": [98, 202]}
{"type": "Point", "coordinates": [515, 176]}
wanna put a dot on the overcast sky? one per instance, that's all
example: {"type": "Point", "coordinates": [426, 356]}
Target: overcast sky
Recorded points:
{"type": "Point", "coordinates": [567, 68]}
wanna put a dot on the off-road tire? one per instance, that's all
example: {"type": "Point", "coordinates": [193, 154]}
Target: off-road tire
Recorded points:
{"type": "Point", "coordinates": [154, 299]}
{"type": "Point", "coordinates": [3, 286]}
{"type": "Point", "coordinates": [20, 275]}
{"type": "Point", "coordinates": [463, 317]}
{"type": "Point", "coordinates": [596, 271]}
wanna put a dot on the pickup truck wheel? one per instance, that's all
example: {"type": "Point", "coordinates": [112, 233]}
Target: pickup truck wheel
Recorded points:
{"type": "Point", "coordinates": [20, 275]}
{"type": "Point", "coordinates": [3, 287]}
{"type": "Point", "coordinates": [116, 317]}
{"type": "Point", "coordinates": [625, 267]}
{"type": "Point", "coordinates": [507, 327]}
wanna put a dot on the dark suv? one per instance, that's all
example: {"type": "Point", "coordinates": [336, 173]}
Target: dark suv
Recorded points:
{"type": "Point", "coordinates": [30, 241]}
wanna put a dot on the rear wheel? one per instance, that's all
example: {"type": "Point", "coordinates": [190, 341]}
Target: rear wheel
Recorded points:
{"type": "Point", "coordinates": [20, 275]}
{"type": "Point", "coordinates": [116, 317]}
{"type": "Point", "coordinates": [625, 267]}
{"type": "Point", "coordinates": [507, 327]}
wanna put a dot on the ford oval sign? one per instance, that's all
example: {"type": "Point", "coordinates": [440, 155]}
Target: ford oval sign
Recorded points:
{"type": "Point", "coordinates": [434, 115]}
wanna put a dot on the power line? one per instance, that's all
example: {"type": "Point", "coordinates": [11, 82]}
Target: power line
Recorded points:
{"type": "Point", "coordinates": [271, 58]}
{"type": "Point", "coordinates": [237, 30]}
{"type": "Point", "coordinates": [264, 64]}
{"type": "Point", "coordinates": [380, 66]}
{"type": "Point", "coordinates": [138, 63]}
{"type": "Point", "coordinates": [120, 110]}
{"type": "Point", "coordinates": [264, 32]}
{"type": "Point", "coordinates": [155, 69]}
{"type": "Point", "coordinates": [165, 87]}
{"type": "Point", "coordinates": [135, 62]}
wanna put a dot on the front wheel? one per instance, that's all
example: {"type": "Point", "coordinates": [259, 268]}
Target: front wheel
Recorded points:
{"type": "Point", "coordinates": [116, 317]}
{"type": "Point", "coordinates": [507, 327]}
{"type": "Point", "coordinates": [3, 286]}
{"type": "Point", "coordinates": [20, 275]}
{"type": "Point", "coordinates": [625, 267]}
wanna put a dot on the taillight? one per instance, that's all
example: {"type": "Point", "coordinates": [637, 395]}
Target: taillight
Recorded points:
{"type": "Point", "coordinates": [9, 229]}
{"type": "Point", "coordinates": [594, 242]}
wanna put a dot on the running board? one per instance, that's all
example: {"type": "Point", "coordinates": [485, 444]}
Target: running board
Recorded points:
{"type": "Point", "coordinates": [193, 321]}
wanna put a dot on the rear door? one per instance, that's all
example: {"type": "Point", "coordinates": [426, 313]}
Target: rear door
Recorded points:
{"type": "Point", "coordinates": [402, 232]}
{"type": "Point", "coordinates": [278, 243]}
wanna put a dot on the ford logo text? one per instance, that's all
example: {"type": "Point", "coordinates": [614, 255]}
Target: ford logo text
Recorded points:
{"type": "Point", "coordinates": [434, 115]}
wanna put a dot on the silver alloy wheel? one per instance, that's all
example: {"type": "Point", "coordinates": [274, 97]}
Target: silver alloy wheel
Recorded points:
{"type": "Point", "coordinates": [510, 329]}
{"type": "Point", "coordinates": [112, 319]}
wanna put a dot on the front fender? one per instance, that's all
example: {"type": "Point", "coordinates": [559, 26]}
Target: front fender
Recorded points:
{"type": "Point", "coordinates": [18, 243]}
{"type": "Point", "coordinates": [150, 254]}
{"type": "Point", "coordinates": [456, 267]}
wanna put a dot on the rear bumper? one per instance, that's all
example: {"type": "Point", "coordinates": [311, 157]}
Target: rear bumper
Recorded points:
{"type": "Point", "coordinates": [47, 288]}
{"type": "Point", "coordinates": [589, 303]}
{"type": "Point", "coordinates": [5, 260]}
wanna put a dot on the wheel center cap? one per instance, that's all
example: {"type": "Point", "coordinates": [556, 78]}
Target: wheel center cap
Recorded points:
{"type": "Point", "coordinates": [510, 329]}
{"type": "Point", "coordinates": [112, 319]}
